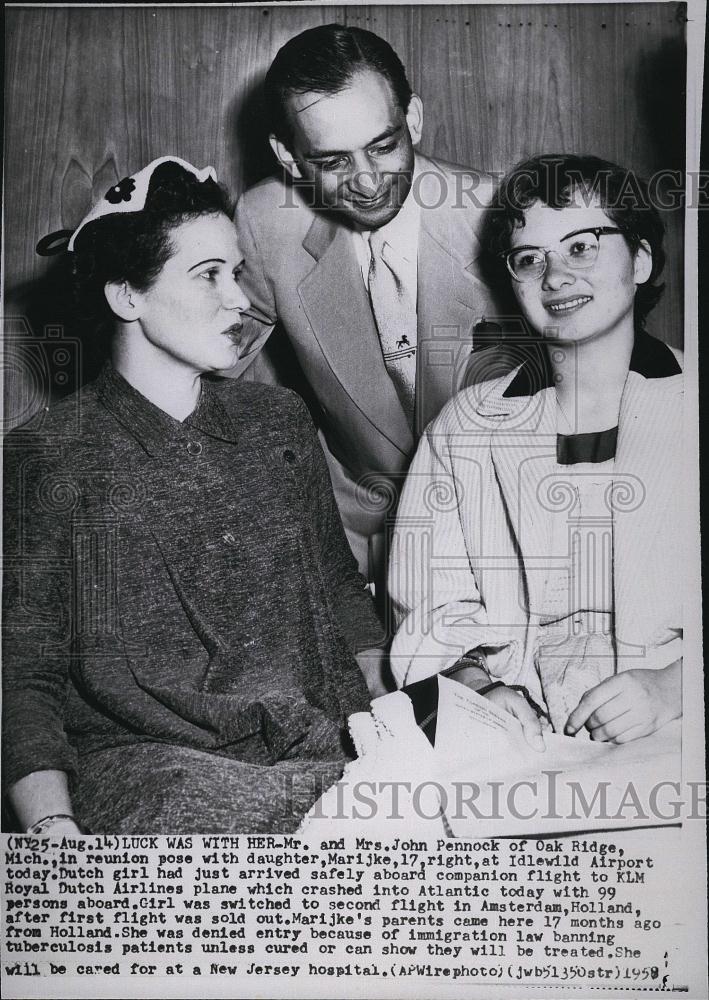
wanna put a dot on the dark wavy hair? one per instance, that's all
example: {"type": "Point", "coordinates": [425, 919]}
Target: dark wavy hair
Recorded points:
{"type": "Point", "coordinates": [324, 60]}
{"type": "Point", "coordinates": [135, 246]}
{"type": "Point", "coordinates": [553, 180]}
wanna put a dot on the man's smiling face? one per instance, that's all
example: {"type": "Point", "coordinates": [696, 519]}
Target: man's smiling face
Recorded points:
{"type": "Point", "coordinates": [356, 147]}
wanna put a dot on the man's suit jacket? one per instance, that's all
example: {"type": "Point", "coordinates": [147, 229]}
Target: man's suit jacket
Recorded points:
{"type": "Point", "coordinates": [301, 270]}
{"type": "Point", "coordinates": [477, 504]}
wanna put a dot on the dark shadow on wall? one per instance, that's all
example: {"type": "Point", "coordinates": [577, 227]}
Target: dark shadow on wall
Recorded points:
{"type": "Point", "coordinates": [660, 88]}
{"type": "Point", "coordinates": [48, 353]}
{"type": "Point", "coordinates": [661, 95]}
{"type": "Point", "coordinates": [247, 128]}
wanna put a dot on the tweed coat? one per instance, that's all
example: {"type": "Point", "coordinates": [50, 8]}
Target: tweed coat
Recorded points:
{"type": "Point", "coordinates": [181, 586]}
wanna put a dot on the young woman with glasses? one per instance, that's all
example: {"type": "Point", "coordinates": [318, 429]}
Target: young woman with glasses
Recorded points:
{"type": "Point", "coordinates": [538, 554]}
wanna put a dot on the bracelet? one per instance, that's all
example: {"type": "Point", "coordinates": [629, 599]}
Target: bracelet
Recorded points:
{"type": "Point", "coordinates": [489, 687]}
{"type": "Point", "coordinates": [519, 689]}
{"type": "Point", "coordinates": [473, 658]}
{"type": "Point", "coordinates": [44, 824]}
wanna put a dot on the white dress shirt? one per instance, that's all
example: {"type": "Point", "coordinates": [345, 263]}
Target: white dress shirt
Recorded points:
{"type": "Point", "coordinates": [402, 237]}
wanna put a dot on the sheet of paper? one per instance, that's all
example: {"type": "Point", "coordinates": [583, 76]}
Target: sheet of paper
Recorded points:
{"type": "Point", "coordinates": [472, 728]}
{"type": "Point", "coordinates": [489, 774]}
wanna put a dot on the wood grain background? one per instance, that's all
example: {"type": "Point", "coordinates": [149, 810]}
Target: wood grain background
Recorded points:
{"type": "Point", "coordinates": [93, 94]}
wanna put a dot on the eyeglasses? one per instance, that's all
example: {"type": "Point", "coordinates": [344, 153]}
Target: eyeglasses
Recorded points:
{"type": "Point", "coordinates": [578, 250]}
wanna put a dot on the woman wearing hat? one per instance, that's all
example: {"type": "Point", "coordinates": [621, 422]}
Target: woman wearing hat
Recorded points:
{"type": "Point", "coordinates": [183, 617]}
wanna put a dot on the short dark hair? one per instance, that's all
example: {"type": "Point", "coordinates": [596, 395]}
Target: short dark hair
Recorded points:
{"type": "Point", "coordinates": [553, 179]}
{"type": "Point", "coordinates": [135, 246]}
{"type": "Point", "coordinates": [324, 60]}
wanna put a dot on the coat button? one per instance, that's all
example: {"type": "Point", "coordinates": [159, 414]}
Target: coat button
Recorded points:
{"type": "Point", "coordinates": [289, 456]}
{"type": "Point", "coordinates": [194, 448]}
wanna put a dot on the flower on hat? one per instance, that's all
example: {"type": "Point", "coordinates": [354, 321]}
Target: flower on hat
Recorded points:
{"type": "Point", "coordinates": [130, 194]}
{"type": "Point", "coordinates": [121, 191]}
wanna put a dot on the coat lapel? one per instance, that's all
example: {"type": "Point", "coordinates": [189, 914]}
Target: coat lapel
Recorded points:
{"type": "Point", "coordinates": [524, 458]}
{"type": "Point", "coordinates": [335, 301]}
{"type": "Point", "coordinates": [650, 425]}
{"type": "Point", "coordinates": [446, 316]}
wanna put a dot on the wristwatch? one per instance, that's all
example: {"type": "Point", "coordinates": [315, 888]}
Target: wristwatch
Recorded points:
{"type": "Point", "coordinates": [44, 825]}
{"type": "Point", "coordinates": [473, 658]}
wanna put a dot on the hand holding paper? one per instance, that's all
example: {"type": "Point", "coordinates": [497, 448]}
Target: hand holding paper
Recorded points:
{"type": "Point", "coordinates": [516, 705]}
{"type": "Point", "coordinates": [629, 705]}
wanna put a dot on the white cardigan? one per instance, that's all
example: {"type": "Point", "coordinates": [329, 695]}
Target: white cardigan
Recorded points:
{"type": "Point", "coordinates": [470, 549]}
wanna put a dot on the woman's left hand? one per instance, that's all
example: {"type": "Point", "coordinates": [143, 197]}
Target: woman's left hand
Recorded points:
{"type": "Point", "coordinates": [629, 705]}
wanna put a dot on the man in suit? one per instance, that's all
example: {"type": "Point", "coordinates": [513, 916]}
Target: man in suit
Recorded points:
{"type": "Point", "coordinates": [366, 253]}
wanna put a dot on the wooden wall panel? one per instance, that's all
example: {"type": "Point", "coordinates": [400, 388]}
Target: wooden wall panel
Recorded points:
{"type": "Point", "coordinates": [94, 93]}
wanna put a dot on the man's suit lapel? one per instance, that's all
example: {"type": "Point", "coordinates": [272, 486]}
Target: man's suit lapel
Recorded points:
{"type": "Point", "coordinates": [451, 296]}
{"type": "Point", "coordinates": [451, 300]}
{"type": "Point", "coordinates": [335, 301]}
